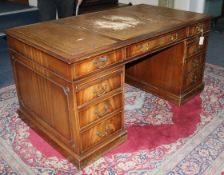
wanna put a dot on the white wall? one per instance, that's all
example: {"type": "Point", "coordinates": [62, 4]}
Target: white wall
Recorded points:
{"type": "Point", "coordinates": [197, 6]}
{"type": "Point", "coordinates": [151, 2]}
{"type": "Point", "coordinates": [33, 2]}
{"type": "Point", "coordinates": [182, 4]}
{"type": "Point", "coordinates": [188, 5]}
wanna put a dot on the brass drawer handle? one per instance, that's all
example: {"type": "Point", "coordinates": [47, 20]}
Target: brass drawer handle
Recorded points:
{"type": "Point", "coordinates": [108, 129]}
{"type": "Point", "coordinates": [174, 37]}
{"type": "Point", "coordinates": [100, 90]}
{"type": "Point", "coordinates": [195, 49]}
{"type": "Point", "coordinates": [13, 57]}
{"type": "Point", "coordinates": [143, 47]}
{"type": "Point", "coordinates": [100, 134]}
{"type": "Point", "coordinates": [195, 78]}
{"type": "Point", "coordinates": [100, 62]}
{"type": "Point", "coordinates": [195, 63]}
{"type": "Point", "coordinates": [104, 111]}
{"type": "Point", "coordinates": [200, 28]}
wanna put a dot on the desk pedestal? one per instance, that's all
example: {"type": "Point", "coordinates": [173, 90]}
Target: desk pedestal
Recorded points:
{"type": "Point", "coordinates": [165, 74]}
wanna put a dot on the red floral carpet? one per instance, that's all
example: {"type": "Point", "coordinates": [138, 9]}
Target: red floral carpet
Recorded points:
{"type": "Point", "coordinates": [162, 138]}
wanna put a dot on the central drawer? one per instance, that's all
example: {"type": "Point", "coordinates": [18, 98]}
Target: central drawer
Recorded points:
{"type": "Point", "coordinates": [148, 45]}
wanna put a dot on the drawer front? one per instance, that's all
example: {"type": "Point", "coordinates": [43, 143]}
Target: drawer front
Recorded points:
{"type": "Point", "coordinates": [138, 49]}
{"type": "Point", "coordinates": [193, 46]}
{"type": "Point", "coordinates": [194, 63]}
{"type": "Point", "coordinates": [96, 63]}
{"type": "Point", "coordinates": [193, 78]}
{"type": "Point", "coordinates": [103, 130]}
{"type": "Point", "coordinates": [97, 88]}
{"type": "Point", "coordinates": [99, 110]}
{"type": "Point", "coordinates": [148, 45]}
{"type": "Point", "coordinates": [199, 28]}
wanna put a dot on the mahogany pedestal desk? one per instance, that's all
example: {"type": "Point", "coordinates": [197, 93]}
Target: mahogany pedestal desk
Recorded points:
{"type": "Point", "coordinates": [70, 73]}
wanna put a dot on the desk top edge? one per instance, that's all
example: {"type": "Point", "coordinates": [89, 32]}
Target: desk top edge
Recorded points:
{"type": "Point", "coordinates": [38, 35]}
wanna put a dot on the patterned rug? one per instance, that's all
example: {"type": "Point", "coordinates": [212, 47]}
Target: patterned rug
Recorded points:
{"type": "Point", "coordinates": [162, 138]}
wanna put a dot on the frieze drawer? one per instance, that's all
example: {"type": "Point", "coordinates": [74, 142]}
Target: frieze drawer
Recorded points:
{"type": "Point", "coordinates": [100, 110]}
{"type": "Point", "coordinates": [98, 88]}
{"type": "Point", "coordinates": [101, 131]}
{"type": "Point", "coordinates": [193, 46]}
{"type": "Point", "coordinates": [199, 28]}
{"type": "Point", "coordinates": [194, 63]}
{"type": "Point", "coordinates": [93, 64]}
{"type": "Point", "coordinates": [148, 45]}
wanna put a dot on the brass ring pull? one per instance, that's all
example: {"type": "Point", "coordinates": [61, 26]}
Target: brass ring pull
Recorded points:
{"type": "Point", "coordinates": [100, 62]}
{"type": "Point", "coordinates": [144, 47]}
{"type": "Point", "coordinates": [200, 28]}
{"type": "Point", "coordinates": [100, 134]}
{"type": "Point", "coordinates": [195, 49]}
{"type": "Point", "coordinates": [108, 130]}
{"type": "Point", "coordinates": [174, 37]}
{"type": "Point", "coordinates": [195, 63]}
{"type": "Point", "coordinates": [100, 90]}
{"type": "Point", "coordinates": [104, 111]}
{"type": "Point", "coordinates": [13, 57]}
{"type": "Point", "coordinates": [195, 78]}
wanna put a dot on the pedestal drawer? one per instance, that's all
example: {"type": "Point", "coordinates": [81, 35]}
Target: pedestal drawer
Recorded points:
{"type": "Point", "coordinates": [198, 28]}
{"type": "Point", "coordinates": [194, 62]}
{"type": "Point", "coordinates": [193, 78]}
{"type": "Point", "coordinates": [96, 63]}
{"type": "Point", "coordinates": [101, 131]}
{"type": "Point", "coordinates": [193, 46]}
{"type": "Point", "coordinates": [99, 87]}
{"type": "Point", "coordinates": [99, 110]}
